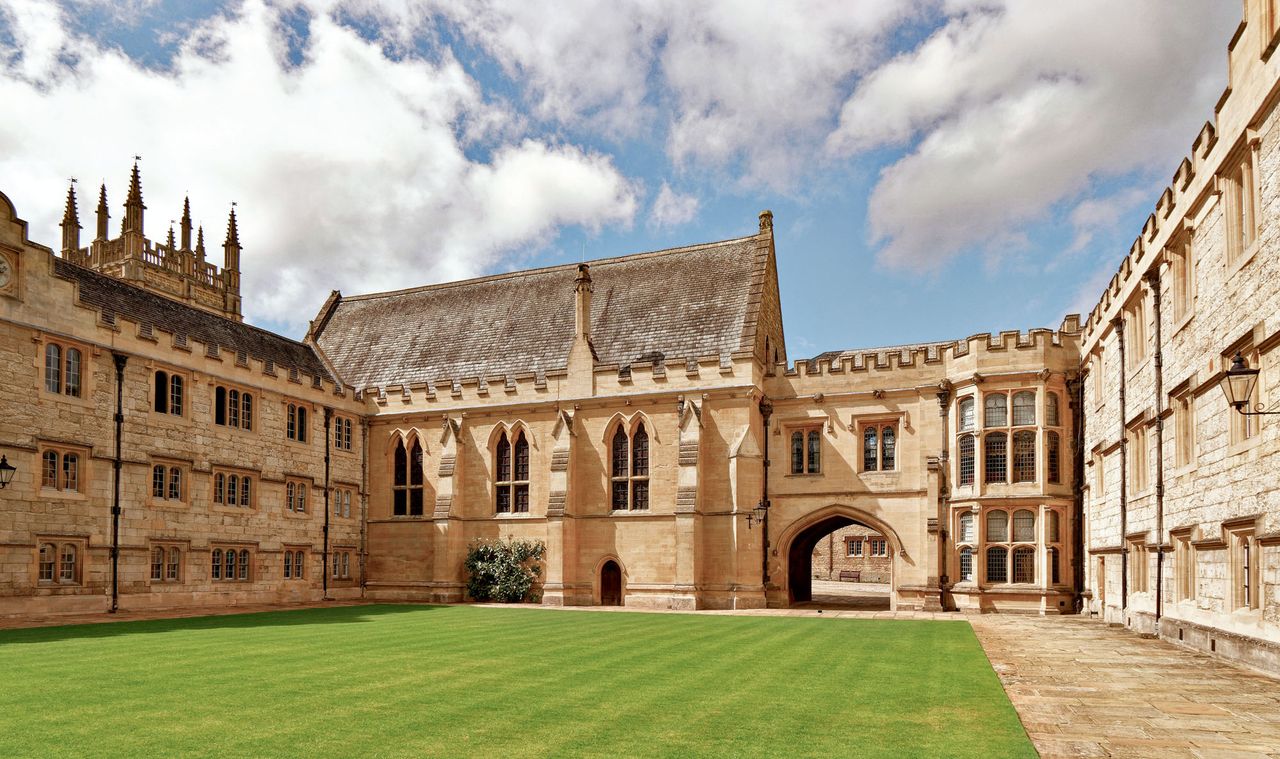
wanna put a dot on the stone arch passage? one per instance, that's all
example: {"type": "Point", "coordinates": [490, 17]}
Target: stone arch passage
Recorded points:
{"type": "Point", "coordinates": [800, 552]}
{"type": "Point", "coordinates": [610, 584]}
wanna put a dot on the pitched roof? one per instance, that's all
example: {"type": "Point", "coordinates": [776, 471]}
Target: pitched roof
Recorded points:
{"type": "Point", "coordinates": [686, 302]}
{"type": "Point", "coordinates": [122, 299]}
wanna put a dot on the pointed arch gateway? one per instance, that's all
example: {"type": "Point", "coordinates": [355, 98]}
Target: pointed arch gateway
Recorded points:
{"type": "Point", "coordinates": [798, 540]}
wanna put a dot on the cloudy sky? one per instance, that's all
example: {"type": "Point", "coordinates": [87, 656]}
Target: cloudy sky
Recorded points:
{"type": "Point", "coordinates": [936, 167]}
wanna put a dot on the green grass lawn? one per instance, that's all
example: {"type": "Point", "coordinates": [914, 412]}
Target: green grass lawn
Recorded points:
{"type": "Point", "coordinates": [472, 681]}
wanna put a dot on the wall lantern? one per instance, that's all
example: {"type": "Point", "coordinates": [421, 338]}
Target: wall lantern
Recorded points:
{"type": "Point", "coordinates": [1238, 384]}
{"type": "Point", "coordinates": [757, 515]}
{"type": "Point", "coordinates": [6, 472]}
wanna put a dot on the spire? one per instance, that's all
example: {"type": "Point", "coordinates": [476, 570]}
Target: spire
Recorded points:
{"type": "Point", "coordinates": [103, 214]}
{"type": "Point", "coordinates": [172, 245]}
{"type": "Point", "coordinates": [71, 222]}
{"type": "Point", "coordinates": [231, 247]}
{"type": "Point", "coordinates": [133, 206]}
{"type": "Point", "coordinates": [200, 242]}
{"type": "Point", "coordinates": [186, 223]}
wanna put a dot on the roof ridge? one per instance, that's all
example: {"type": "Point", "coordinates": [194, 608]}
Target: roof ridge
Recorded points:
{"type": "Point", "coordinates": [542, 269]}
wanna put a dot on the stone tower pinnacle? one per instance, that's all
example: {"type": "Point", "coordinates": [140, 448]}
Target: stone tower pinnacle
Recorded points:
{"type": "Point", "coordinates": [133, 206]}
{"type": "Point", "coordinates": [71, 223]}
{"type": "Point", "coordinates": [200, 243]}
{"type": "Point", "coordinates": [186, 224]}
{"type": "Point", "coordinates": [103, 214]}
{"type": "Point", "coordinates": [231, 247]}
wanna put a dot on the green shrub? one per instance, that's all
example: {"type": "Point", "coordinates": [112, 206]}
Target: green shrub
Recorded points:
{"type": "Point", "coordinates": [503, 570]}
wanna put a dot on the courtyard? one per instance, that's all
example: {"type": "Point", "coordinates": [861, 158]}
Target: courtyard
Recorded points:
{"type": "Point", "coordinates": [413, 680]}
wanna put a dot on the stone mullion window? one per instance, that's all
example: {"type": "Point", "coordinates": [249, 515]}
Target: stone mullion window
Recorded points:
{"type": "Point", "coordinates": [342, 433]}
{"type": "Point", "coordinates": [60, 470]}
{"type": "Point", "coordinates": [63, 370]}
{"type": "Point", "coordinates": [806, 451]}
{"type": "Point", "coordinates": [59, 562]}
{"type": "Point", "coordinates": [965, 461]}
{"type": "Point", "coordinates": [511, 475]}
{"type": "Point", "coordinates": [629, 470]}
{"type": "Point", "coordinates": [296, 422]}
{"type": "Point", "coordinates": [1024, 456]}
{"type": "Point", "coordinates": [407, 489]}
{"type": "Point", "coordinates": [995, 459]}
{"type": "Point", "coordinates": [640, 469]}
{"type": "Point", "coordinates": [232, 408]}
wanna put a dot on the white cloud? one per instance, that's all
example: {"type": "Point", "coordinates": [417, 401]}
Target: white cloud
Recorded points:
{"type": "Point", "coordinates": [1014, 106]}
{"type": "Point", "coordinates": [350, 170]}
{"type": "Point", "coordinates": [671, 209]}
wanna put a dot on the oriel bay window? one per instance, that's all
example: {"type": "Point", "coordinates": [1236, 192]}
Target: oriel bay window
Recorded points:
{"type": "Point", "coordinates": [806, 451]}
{"type": "Point", "coordinates": [407, 484]}
{"type": "Point", "coordinates": [629, 469]}
{"type": "Point", "coordinates": [511, 474]}
{"type": "Point", "coordinates": [1024, 456]}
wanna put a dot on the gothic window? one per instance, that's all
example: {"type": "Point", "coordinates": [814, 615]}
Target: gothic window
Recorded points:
{"type": "Point", "coordinates": [629, 474]}
{"type": "Point", "coordinates": [1024, 526]}
{"type": "Point", "coordinates": [1024, 408]}
{"type": "Point", "coordinates": [511, 467]}
{"type": "Point", "coordinates": [1053, 457]}
{"type": "Point", "coordinates": [62, 369]}
{"type": "Point", "coordinates": [996, 410]}
{"type": "Point", "coordinates": [295, 427]}
{"type": "Point", "coordinates": [965, 413]}
{"type": "Point", "coordinates": [995, 458]}
{"type": "Point", "coordinates": [1024, 456]}
{"type": "Point", "coordinates": [407, 486]}
{"type": "Point", "coordinates": [870, 449]}
{"type": "Point", "coordinates": [966, 465]}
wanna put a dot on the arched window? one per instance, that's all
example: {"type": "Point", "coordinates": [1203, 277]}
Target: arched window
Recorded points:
{"type": "Point", "coordinates": [233, 408]}
{"type": "Point", "coordinates": [965, 413]}
{"type": "Point", "coordinates": [346, 564]}
{"type": "Point", "coordinates": [288, 565]}
{"type": "Point", "coordinates": [246, 411]}
{"type": "Point", "coordinates": [407, 488]}
{"type": "Point", "coordinates": [1053, 527]}
{"type": "Point", "coordinates": [289, 489]}
{"type": "Point", "coordinates": [68, 565]}
{"type": "Point", "coordinates": [1053, 457]}
{"type": "Point", "coordinates": [1024, 526]}
{"type": "Point", "coordinates": [157, 563]}
{"type": "Point", "coordinates": [1051, 417]}
{"type": "Point", "coordinates": [620, 459]}
{"type": "Point", "coordinates": [1024, 565]}
{"type": "Point", "coordinates": [1024, 456]}
{"type": "Point", "coordinates": [175, 484]}
{"type": "Point", "coordinates": [997, 564]}
{"type": "Point", "coordinates": [966, 465]}
{"type": "Point", "coordinates": [995, 459]}
{"type": "Point", "coordinates": [47, 561]}
{"type": "Point", "coordinates": [175, 395]}
{"type": "Point", "coordinates": [888, 449]}
{"type": "Point", "coordinates": [797, 452]}
{"type": "Point", "coordinates": [49, 472]}
{"type": "Point", "coordinates": [295, 427]}
{"type": "Point", "coordinates": [997, 526]}
{"type": "Point", "coordinates": [158, 481]}
{"type": "Point", "coordinates": [511, 467]}
{"type": "Point", "coordinates": [232, 496]}
{"type": "Point", "coordinates": [870, 449]}
{"type": "Point", "coordinates": [640, 469]}
{"type": "Point", "coordinates": [298, 564]}
{"type": "Point", "coordinates": [966, 564]}
{"type": "Point", "coordinates": [1055, 574]}
{"type": "Point", "coordinates": [219, 487]}
{"type": "Point", "coordinates": [174, 564]}
{"type": "Point", "coordinates": [244, 564]}
{"type": "Point", "coordinates": [965, 534]}
{"type": "Point", "coordinates": [162, 395]}
{"type": "Point", "coordinates": [1024, 408]}
{"type": "Point", "coordinates": [70, 471]}
{"type": "Point", "coordinates": [73, 372]}
{"type": "Point", "coordinates": [215, 564]}
{"type": "Point", "coordinates": [53, 368]}
{"type": "Point", "coordinates": [996, 410]}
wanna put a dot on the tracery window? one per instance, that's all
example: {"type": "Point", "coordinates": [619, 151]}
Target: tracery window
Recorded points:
{"type": "Point", "coordinates": [629, 473]}
{"type": "Point", "coordinates": [511, 466]}
{"type": "Point", "coordinates": [407, 484]}
{"type": "Point", "coordinates": [806, 451]}
{"type": "Point", "coordinates": [62, 369]}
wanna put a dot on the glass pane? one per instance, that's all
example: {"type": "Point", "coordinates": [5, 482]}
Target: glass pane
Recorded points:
{"type": "Point", "coordinates": [997, 565]}
{"type": "Point", "coordinates": [503, 504]}
{"type": "Point", "coordinates": [620, 493]}
{"type": "Point", "coordinates": [797, 453]}
{"type": "Point", "coordinates": [1051, 410]}
{"type": "Point", "coordinates": [966, 460]}
{"type": "Point", "coordinates": [49, 478]}
{"type": "Point", "coordinates": [175, 483]}
{"type": "Point", "coordinates": [1024, 408]}
{"type": "Point", "coordinates": [640, 453]}
{"type": "Point", "coordinates": [233, 408]}
{"type": "Point", "coordinates": [246, 419]}
{"type": "Point", "coordinates": [415, 502]}
{"type": "Point", "coordinates": [640, 494]}
{"type": "Point", "coordinates": [1024, 565]}
{"type": "Point", "coordinates": [888, 453]}
{"type": "Point", "coordinates": [244, 564]}
{"type": "Point", "coordinates": [53, 368]}
{"type": "Point", "coordinates": [620, 454]}
{"type": "Point", "coordinates": [997, 526]}
{"type": "Point", "coordinates": [70, 471]}
{"type": "Point", "coordinates": [415, 464]}
{"type": "Point", "coordinates": [157, 563]}
{"type": "Point", "coordinates": [232, 496]}
{"type": "Point", "coordinates": [995, 459]}
{"type": "Point", "coordinates": [175, 559]}
{"type": "Point", "coordinates": [996, 411]}
{"type": "Point", "coordinates": [73, 372]}
{"type": "Point", "coordinates": [215, 564]}
{"type": "Point", "coordinates": [162, 392]}
{"type": "Point", "coordinates": [220, 405]}
{"type": "Point", "coordinates": [244, 491]}
{"type": "Point", "coordinates": [219, 484]}
{"type": "Point", "coordinates": [522, 458]}
{"type": "Point", "coordinates": [966, 564]}
{"type": "Point", "coordinates": [522, 499]}
{"type": "Point", "coordinates": [966, 528]}
{"type": "Point", "coordinates": [401, 465]}
{"type": "Point", "coordinates": [966, 414]}
{"type": "Point", "coordinates": [1053, 462]}
{"type": "Point", "coordinates": [157, 482]}
{"type": "Point", "coordinates": [502, 459]}
{"type": "Point", "coordinates": [870, 450]}
{"type": "Point", "coordinates": [1024, 456]}
{"type": "Point", "coordinates": [1024, 526]}
{"type": "Point", "coordinates": [815, 452]}
{"type": "Point", "coordinates": [175, 396]}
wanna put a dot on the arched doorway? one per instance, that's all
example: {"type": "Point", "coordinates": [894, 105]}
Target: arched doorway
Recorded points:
{"type": "Point", "coordinates": [857, 557]}
{"type": "Point", "coordinates": [610, 584]}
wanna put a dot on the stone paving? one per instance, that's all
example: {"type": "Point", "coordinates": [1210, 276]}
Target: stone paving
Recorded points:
{"type": "Point", "coordinates": [1083, 688]}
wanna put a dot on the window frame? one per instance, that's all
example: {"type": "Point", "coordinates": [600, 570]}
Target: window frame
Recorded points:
{"type": "Point", "coordinates": [242, 564]}
{"type": "Point", "coordinates": [297, 423]}
{"type": "Point", "coordinates": [872, 447]}
{"type": "Point", "coordinates": [405, 491]}
{"type": "Point", "coordinates": [67, 481]}
{"type": "Point", "coordinates": [172, 564]}
{"type": "Point", "coordinates": [810, 437]}
{"type": "Point", "coordinates": [70, 353]}
{"type": "Point", "coordinates": [297, 492]}
{"type": "Point", "coordinates": [173, 390]}
{"type": "Point", "coordinates": [58, 576]}
{"type": "Point", "coordinates": [171, 472]}
{"type": "Point", "coordinates": [232, 483]}
{"type": "Point", "coordinates": [233, 407]}
{"type": "Point", "coordinates": [342, 426]}
{"type": "Point", "coordinates": [511, 485]}
{"type": "Point", "coordinates": [624, 463]}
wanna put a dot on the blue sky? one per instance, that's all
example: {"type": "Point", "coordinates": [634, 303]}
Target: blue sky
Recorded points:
{"type": "Point", "coordinates": [935, 168]}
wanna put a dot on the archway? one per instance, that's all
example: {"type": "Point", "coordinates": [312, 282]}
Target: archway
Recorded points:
{"type": "Point", "coordinates": [856, 553]}
{"type": "Point", "coordinates": [610, 584]}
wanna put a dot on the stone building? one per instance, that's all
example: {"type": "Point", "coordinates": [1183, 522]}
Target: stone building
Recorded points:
{"type": "Point", "coordinates": [640, 416]}
{"type": "Point", "coordinates": [1182, 511]}
{"type": "Point", "coordinates": [852, 554]}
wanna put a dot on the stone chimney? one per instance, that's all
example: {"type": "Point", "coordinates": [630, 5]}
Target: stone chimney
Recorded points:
{"type": "Point", "coordinates": [582, 356]}
{"type": "Point", "coordinates": [582, 303]}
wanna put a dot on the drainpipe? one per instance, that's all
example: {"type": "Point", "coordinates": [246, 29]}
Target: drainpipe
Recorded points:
{"type": "Point", "coordinates": [120, 359]}
{"type": "Point", "coordinates": [831, 554]}
{"type": "Point", "coordinates": [1075, 390]}
{"type": "Point", "coordinates": [364, 499]}
{"type": "Point", "coordinates": [1153, 280]}
{"type": "Point", "coordinates": [1118, 324]}
{"type": "Point", "coordinates": [328, 441]}
{"type": "Point", "coordinates": [766, 411]}
{"type": "Point", "coordinates": [944, 492]}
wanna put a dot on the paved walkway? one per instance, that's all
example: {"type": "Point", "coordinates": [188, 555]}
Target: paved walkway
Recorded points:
{"type": "Point", "coordinates": [1085, 689]}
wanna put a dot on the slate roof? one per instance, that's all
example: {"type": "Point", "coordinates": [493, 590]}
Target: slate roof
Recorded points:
{"type": "Point", "coordinates": [674, 304]}
{"type": "Point", "coordinates": [128, 301]}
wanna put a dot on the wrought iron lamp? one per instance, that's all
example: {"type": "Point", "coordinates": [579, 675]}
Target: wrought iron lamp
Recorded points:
{"type": "Point", "coordinates": [756, 515]}
{"type": "Point", "coordinates": [1238, 385]}
{"type": "Point", "coordinates": [6, 472]}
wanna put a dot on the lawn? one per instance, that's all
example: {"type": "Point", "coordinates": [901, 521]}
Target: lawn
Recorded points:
{"type": "Point", "coordinates": [401, 680]}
